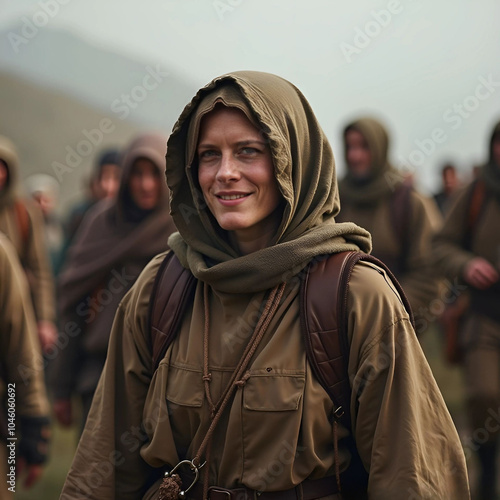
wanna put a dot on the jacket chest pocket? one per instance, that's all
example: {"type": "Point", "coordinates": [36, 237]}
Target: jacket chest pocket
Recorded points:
{"type": "Point", "coordinates": [265, 392]}
{"type": "Point", "coordinates": [271, 417]}
{"type": "Point", "coordinates": [184, 398]}
{"type": "Point", "coordinates": [184, 386]}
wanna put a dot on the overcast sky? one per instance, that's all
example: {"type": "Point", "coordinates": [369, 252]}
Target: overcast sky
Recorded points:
{"type": "Point", "coordinates": [429, 69]}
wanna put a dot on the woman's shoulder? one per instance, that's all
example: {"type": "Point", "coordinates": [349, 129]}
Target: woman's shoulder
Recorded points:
{"type": "Point", "coordinates": [376, 313]}
{"type": "Point", "coordinates": [372, 293]}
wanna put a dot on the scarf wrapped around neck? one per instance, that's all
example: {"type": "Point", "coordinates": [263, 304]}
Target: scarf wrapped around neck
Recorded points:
{"type": "Point", "coordinates": [305, 171]}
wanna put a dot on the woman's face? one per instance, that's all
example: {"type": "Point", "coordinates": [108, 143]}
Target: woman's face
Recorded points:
{"type": "Point", "coordinates": [144, 184]}
{"type": "Point", "coordinates": [358, 155]}
{"type": "Point", "coordinates": [236, 176]}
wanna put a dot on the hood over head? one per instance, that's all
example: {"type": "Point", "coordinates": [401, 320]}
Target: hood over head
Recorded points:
{"type": "Point", "coordinates": [377, 140]}
{"type": "Point", "coordinates": [108, 157]}
{"type": "Point", "coordinates": [151, 146]}
{"type": "Point", "coordinates": [8, 154]}
{"type": "Point", "coordinates": [109, 238]}
{"type": "Point", "coordinates": [305, 171]}
{"type": "Point", "coordinates": [383, 178]}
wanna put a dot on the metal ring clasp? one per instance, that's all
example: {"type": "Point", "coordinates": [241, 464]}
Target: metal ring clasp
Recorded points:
{"type": "Point", "coordinates": [194, 468]}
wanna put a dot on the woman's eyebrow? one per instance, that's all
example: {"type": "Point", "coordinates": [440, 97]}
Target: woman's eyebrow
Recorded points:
{"type": "Point", "coordinates": [251, 141]}
{"type": "Point", "coordinates": [205, 145]}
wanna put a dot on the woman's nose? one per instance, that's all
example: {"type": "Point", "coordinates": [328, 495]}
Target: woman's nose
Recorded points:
{"type": "Point", "coordinates": [228, 170]}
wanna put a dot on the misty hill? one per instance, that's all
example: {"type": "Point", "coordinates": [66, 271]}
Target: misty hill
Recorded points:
{"type": "Point", "coordinates": [146, 92]}
{"type": "Point", "coordinates": [44, 123]}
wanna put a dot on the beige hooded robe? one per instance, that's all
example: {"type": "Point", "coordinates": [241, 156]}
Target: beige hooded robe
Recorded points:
{"type": "Point", "coordinates": [370, 203]}
{"type": "Point", "coordinates": [31, 251]}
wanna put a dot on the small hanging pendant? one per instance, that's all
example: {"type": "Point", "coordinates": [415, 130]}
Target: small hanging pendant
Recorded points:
{"type": "Point", "coordinates": [170, 487]}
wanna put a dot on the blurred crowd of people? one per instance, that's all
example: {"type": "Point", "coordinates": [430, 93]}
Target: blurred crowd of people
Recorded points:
{"type": "Point", "coordinates": [61, 281]}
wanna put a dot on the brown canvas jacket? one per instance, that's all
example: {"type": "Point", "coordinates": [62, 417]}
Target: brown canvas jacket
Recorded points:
{"type": "Point", "coordinates": [277, 409]}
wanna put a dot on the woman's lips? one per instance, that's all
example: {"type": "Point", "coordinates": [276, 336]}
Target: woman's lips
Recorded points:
{"type": "Point", "coordinates": [231, 199]}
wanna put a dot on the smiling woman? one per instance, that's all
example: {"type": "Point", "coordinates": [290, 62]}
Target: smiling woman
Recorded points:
{"type": "Point", "coordinates": [234, 408]}
{"type": "Point", "coordinates": [236, 176]}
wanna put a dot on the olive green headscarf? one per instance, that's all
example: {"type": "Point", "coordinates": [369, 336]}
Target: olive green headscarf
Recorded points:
{"type": "Point", "coordinates": [383, 178]}
{"type": "Point", "coordinates": [305, 171]}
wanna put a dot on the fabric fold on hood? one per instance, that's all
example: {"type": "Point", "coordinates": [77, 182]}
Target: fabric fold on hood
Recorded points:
{"type": "Point", "coordinates": [305, 171]}
{"type": "Point", "coordinates": [383, 179]}
{"type": "Point", "coordinates": [491, 171]}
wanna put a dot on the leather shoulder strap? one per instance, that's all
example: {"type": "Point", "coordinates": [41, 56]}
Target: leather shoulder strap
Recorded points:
{"type": "Point", "coordinates": [324, 321]}
{"type": "Point", "coordinates": [172, 292]}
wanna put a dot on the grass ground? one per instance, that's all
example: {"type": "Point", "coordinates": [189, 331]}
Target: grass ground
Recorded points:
{"type": "Point", "coordinates": [64, 441]}
{"type": "Point", "coordinates": [50, 485]}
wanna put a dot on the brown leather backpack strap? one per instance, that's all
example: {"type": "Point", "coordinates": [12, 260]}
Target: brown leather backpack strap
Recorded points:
{"type": "Point", "coordinates": [320, 311]}
{"type": "Point", "coordinates": [324, 319]}
{"type": "Point", "coordinates": [172, 292]}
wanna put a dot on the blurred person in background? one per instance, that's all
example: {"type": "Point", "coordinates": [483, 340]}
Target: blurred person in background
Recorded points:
{"type": "Point", "coordinates": [449, 185]}
{"type": "Point", "coordinates": [23, 401]}
{"type": "Point", "coordinates": [116, 239]}
{"type": "Point", "coordinates": [103, 184]}
{"type": "Point", "coordinates": [468, 247]}
{"type": "Point", "coordinates": [401, 221]}
{"type": "Point", "coordinates": [22, 222]}
{"type": "Point", "coordinates": [44, 189]}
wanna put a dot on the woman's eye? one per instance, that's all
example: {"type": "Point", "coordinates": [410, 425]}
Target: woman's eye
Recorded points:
{"type": "Point", "coordinates": [249, 151]}
{"type": "Point", "coordinates": [209, 153]}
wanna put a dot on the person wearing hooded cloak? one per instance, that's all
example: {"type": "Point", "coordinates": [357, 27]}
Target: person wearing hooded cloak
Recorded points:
{"type": "Point", "coordinates": [400, 220]}
{"type": "Point", "coordinates": [24, 423]}
{"type": "Point", "coordinates": [115, 241]}
{"type": "Point", "coordinates": [472, 254]}
{"type": "Point", "coordinates": [103, 183]}
{"type": "Point", "coordinates": [254, 198]}
{"type": "Point", "coordinates": [22, 222]}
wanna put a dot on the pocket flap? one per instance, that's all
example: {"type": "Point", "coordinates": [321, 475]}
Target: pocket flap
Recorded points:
{"type": "Point", "coordinates": [273, 392]}
{"type": "Point", "coordinates": [184, 386]}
